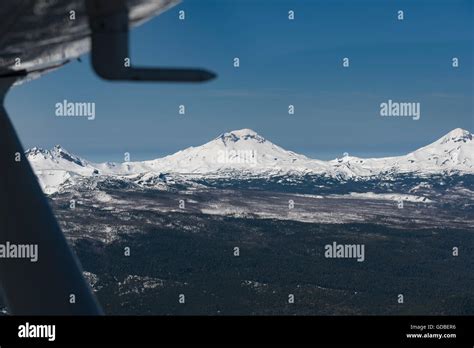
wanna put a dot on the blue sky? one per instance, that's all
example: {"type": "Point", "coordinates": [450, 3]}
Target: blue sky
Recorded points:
{"type": "Point", "coordinates": [282, 62]}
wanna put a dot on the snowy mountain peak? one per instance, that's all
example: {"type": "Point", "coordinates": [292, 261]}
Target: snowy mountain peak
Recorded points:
{"type": "Point", "coordinates": [456, 135]}
{"type": "Point", "coordinates": [56, 166]}
{"type": "Point", "coordinates": [241, 134]}
{"type": "Point", "coordinates": [242, 150]}
{"type": "Point", "coordinates": [57, 155]}
{"type": "Point", "coordinates": [457, 139]}
{"type": "Point", "coordinates": [245, 132]}
{"type": "Point", "coordinates": [58, 148]}
{"type": "Point", "coordinates": [35, 151]}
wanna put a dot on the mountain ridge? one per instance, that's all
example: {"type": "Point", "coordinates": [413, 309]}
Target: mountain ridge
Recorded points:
{"type": "Point", "coordinates": [248, 153]}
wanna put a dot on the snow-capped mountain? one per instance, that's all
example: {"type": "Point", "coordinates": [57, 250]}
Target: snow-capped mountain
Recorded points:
{"type": "Point", "coordinates": [452, 152]}
{"type": "Point", "coordinates": [56, 166]}
{"type": "Point", "coordinates": [240, 150]}
{"type": "Point", "coordinates": [58, 159]}
{"type": "Point", "coordinates": [246, 153]}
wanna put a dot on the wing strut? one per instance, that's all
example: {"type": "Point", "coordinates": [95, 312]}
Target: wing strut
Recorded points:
{"type": "Point", "coordinates": [109, 23]}
{"type": "Point", "coordinates": [26, 219]}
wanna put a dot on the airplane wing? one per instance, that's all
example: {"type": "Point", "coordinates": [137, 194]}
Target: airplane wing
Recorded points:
{"type": "Point", "coordinates": [37, 36]}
